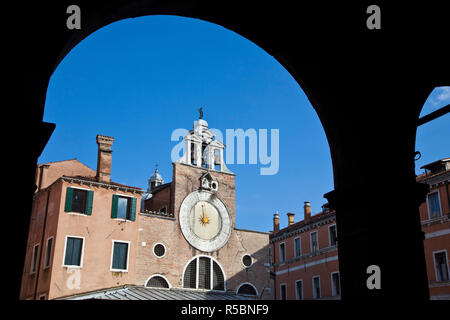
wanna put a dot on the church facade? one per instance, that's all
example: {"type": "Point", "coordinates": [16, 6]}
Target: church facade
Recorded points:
{"type": "Point", "coordinates": [90, 234]}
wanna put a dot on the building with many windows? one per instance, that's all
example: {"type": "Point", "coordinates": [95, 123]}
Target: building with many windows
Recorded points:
{"type": "Point", "coordinates": [435, 219]}
{"type": "Point", "coordinates": [90, 236]}
{"type": "Point", "coordinates": [305, 256]}
{"type": "Point", "coordinates": [305, 259]}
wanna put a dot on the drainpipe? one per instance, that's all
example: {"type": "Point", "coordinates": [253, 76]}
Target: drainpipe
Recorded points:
{"type": "Point", "coordinates": [41, 246]}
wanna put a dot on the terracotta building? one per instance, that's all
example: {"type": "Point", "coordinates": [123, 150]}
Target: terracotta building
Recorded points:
{"type": "Point", "coordinates": [305, 256]}
{"type": "Point", "coordinates": [81, 235]}
{"type": "Point", "coordinates": [90, 236]}
{"type": "Point", "coordinates": [305, 259]}
{"type": "Point", "coordinates": [435, 219]}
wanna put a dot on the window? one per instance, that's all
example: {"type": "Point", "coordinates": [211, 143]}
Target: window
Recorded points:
{"type": "Point", "coordinates": [73, 251]}
{"type": "Point", "coordinates": [434, 208]}
{"type": "Point", "coordinates": [34, 258]}
{"type": "Point", "coordinates": [333, 235]}
{"type": "Point", "coordinates": [247, 289]}
{"type": "Point", "coordinates": [299, 289]}
{"type": "Point", "coordinates": [193, 154]}
{"type": "Point", "coordinates": [48, 252]}
{"type": "Point", "coordinates": [157, 282]}
{"type": "Point", "coordinates": [247, 260]}
{"type": "Point", "coordinates": [79, 200]}
{"type": "Point", "coordinates": [282, 252]}
{"type": "Point", "coordinates": [314, 244]}
{"type": "Point", "coordinates": [123, 207]}
{"type": "Point", "coordinates": [440, 263]}
{"type": "Point", "coordinates": [316, 287]}
{"type": "Point", "coordinates": [205, 154]}
{"type": "Point", "coordinates": [283, 291]}
{"type": "Point", "coordinates": [217, 159]}
{"type": "Point", "coordinates": [203, 273]}
{"type": "Point", "coordinates": [120, 256]}
{"type": "Point", "coordinates": [298, 247]}
{"type": "Point", "coordinates": [335, 284]}
{"type": "Point", "coordinates": [159, 250]}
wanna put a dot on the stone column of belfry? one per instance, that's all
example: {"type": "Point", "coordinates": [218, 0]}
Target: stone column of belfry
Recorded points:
{"type": "Point", "coordinates": [222, 165]}
{"type": "Point", "coordinates": [211, 159]}
{"type": "Point", "coordinates": [104, 158]}
{"type": "Point", "coordinates": [198, 153]}
{"type": "Point", "coordinates": [188, 150]}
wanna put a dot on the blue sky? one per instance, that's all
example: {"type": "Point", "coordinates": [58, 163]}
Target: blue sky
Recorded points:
{"type": "Point", "coordinates": [139, 79]}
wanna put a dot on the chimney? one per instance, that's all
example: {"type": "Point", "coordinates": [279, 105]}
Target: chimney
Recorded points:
{"type": "Point", "coordinates": [104, 158]}
{"type": "Point", "coordinates": [42, 176]}
{"type": "Point", "coordinates": [290, 218]}
{"type": "Point", "coordinates": [276, 222]}
{"type": "Point", "coordinates": [307, 211]}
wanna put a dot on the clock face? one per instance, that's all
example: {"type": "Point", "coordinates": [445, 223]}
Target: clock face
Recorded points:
{"type": "Point", "coordinates": [204, 221]}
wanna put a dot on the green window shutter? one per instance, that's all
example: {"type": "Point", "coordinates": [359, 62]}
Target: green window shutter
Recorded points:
{"type": "Point", "coordinates": [69, 195]}
{"type": "Point", "coordinates": [120, 256]}
{"type": "Point", "coordinates": [133, 209]}
{"type": "Point", "coordinates": [115, 200]}
{"type": "Point", "coordinates": [89, 201]}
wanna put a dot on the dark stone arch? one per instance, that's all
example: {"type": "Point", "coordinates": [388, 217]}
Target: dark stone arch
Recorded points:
{"type": "Point", "coordinates": [353, 77]}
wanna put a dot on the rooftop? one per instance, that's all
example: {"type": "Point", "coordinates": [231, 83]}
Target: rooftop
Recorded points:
{"type": "Point", "coordinates": [302, 223]}
{"type": "Point", "coordinates": [146, 293]}
{"type": "Point", "coordinates": [94, 180]}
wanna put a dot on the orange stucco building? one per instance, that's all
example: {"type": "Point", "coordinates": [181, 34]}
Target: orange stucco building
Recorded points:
{"type": "Point", "coordinates": [89, 235]}
{"type": "Point", "coordinates": [305, 260]}
{"type": "Point", "coordinates": [89, 232]}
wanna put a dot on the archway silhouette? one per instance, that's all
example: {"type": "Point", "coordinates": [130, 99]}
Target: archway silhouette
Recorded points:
{"type": "Point", "coordinates": [358, 136]}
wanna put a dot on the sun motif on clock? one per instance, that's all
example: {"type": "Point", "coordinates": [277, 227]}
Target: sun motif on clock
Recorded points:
{"type": "Point", "coordinates": [204, 219]}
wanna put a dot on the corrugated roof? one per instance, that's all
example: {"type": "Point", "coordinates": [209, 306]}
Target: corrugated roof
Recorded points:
{"type": "Point", "coordinates": [146, 293]}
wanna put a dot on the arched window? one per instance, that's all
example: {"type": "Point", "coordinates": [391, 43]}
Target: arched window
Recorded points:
{"type": "Point", "coordinates": [157, 282]}
{"type": "Point", "coordinates": [247, 289]}
{"type": "Point", "coordinates": [203, 273]}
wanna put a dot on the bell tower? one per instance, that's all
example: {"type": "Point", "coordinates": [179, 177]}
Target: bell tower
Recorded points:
{"type": "Point", "coordinates": [202, 168]}
{"type": "Point", "coordinates": [201, 150]}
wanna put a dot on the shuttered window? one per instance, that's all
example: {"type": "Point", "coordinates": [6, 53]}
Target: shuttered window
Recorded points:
{"type": "Point", "coordinates": [316, 288]}
{"type": "Point", "coordinates": [123, 207]}
{"type": "Point", "coordinates": [218, 280]}
{"type": "Point", "coordinates": [34, 258]}
{"type": "Point", "coordinates": [202, 273]}
{"type": "Point", "coordinates": [74, 248]}
{"type": "Point", "coordinates": [78, 200]}
{"type": "Point", "coordinates": [283, 292]}
{"type": "Point", "coordinates": [120, 256]}
{"type": "Point", "coordinates": [157, 282]}
{"type": "Point", "coordinates": [48, 252]}
{"type": "Point", "coordinates": [433, 205]}
{"type": "Point", "coordinates": [189, 280]}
